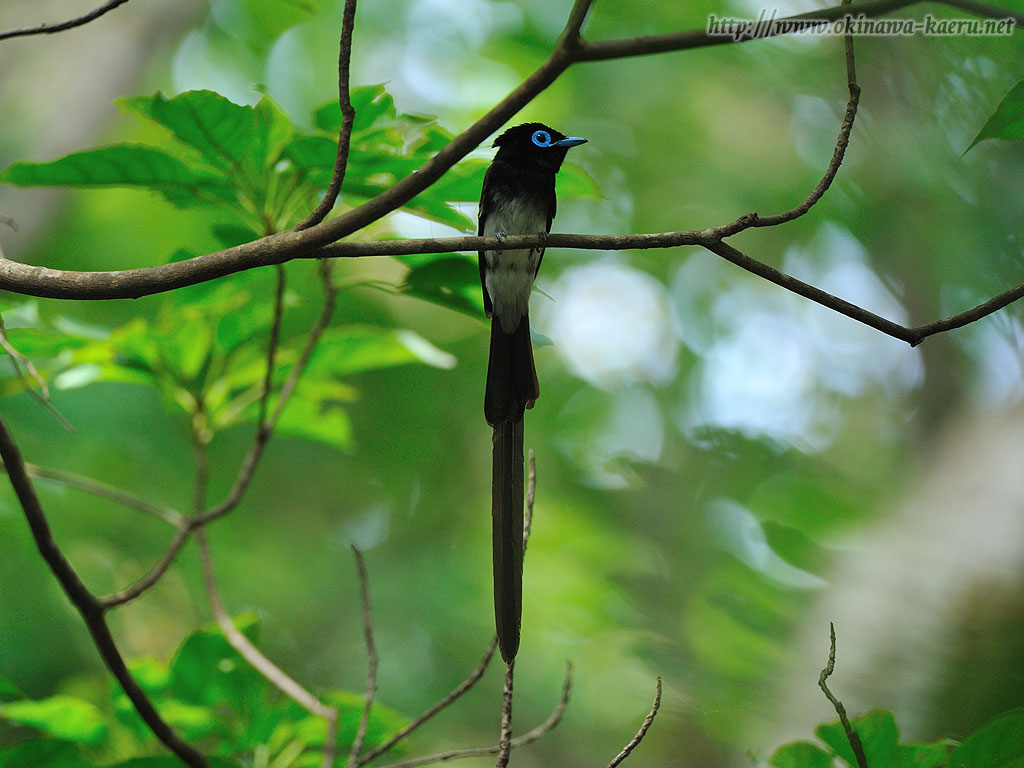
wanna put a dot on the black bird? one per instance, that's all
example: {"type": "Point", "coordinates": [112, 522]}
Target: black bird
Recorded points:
{"type": "Point", "coordinates": [518, 198]}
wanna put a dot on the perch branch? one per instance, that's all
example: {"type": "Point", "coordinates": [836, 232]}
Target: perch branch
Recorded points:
{"type": "Point", "coordinates": [86, 603]}
{"type": "Point", "coordinates": [284, 246]}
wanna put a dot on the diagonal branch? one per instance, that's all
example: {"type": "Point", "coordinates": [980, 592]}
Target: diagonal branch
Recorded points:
{"type": "Point", "coordinates": [348, 116]}
{"type": "Point", "coordinates": [60, 26]}
{"type": "Point", "coordinates": [443, 704]}
{"type": "Point", "coordinates": [86, 603]}
{"type": "Point", "coordinates": [273, 673]}
{"type": "Point", "coordinates": [546, 727]}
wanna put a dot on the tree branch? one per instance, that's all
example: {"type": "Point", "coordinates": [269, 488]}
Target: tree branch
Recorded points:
{"type": "Point", "coordinates": [60, 26]}
{"type": "Point", "coordinates": [699, 38]}
{"type": "Point", "coordinates": [86, 603]}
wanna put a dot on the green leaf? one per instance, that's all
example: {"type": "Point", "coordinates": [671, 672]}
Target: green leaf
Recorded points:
{"type": "Point", "coordinates": [934, 755]}
{"type": "Point", "coordinates": [801, 754]}
{"type": "Point", "coordinates": [207, 671]}
{"type": "Point", "coordinates": [63, 717]}
{"type": "Point", "coordinates": [573, 181]}
{"type": "Point", "coordinates": [451, 280]}
{"type": "Point", "coordinates": [878, 735]}
{"type": "Point", "coordinates": [122, 165]}
{"type": "Point", "coordinates": [220, 129]}
{"type": "Point", "coordinates": [1007, 122]}
{"type": "Point", "coordinates": [317, 420]}
{"type": "Point", "coordinates": [355, 348]}
{"type": "Point", "coordinates": [997, 744]}
{"type": "Point", "coordinates": [42, 753]}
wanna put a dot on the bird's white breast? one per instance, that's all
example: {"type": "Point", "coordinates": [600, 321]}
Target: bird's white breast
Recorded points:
{"type": "Point", "coordinates": [509, 275]}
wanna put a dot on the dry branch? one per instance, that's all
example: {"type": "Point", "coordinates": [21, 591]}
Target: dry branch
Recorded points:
{"type": "Point", "coordinates": [61, 26]}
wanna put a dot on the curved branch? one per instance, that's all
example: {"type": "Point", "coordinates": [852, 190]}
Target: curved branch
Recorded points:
{"type": "Point", "coordinates": [348, 117]}
{"type": "Point", "coordinates": [644, 726]}
{"type": "Point", "coordinates": [86, 603]}
{"type": "Point", "coordinates": [60, 26]}
{"type": "Point", "coordinates": [646, 45]}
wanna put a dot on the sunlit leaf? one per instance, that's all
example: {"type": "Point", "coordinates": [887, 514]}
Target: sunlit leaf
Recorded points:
{"type": "Point", "coordinates": [573, 181]}
{"type": "Point", "coordinates": [320, 421]}
{"type": "Point", "coordinates": [354, 348]}
{"type": "Point", "coordinates": [120, 165]}
{"type": "Point", "coordinates": [63, 717]}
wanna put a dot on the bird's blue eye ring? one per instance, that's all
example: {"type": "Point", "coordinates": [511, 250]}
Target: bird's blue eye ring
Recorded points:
{"type": "Point", "coordinates": [541, 138]}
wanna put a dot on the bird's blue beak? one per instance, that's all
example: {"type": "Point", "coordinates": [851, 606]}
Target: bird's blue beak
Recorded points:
{"type": "Point", "coordinates": [569, 141]}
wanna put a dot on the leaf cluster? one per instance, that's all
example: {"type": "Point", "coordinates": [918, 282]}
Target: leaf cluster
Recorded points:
{"type": "Point", "coordinates": [208, 693]}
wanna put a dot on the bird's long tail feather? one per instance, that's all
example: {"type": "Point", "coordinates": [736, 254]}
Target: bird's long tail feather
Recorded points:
{"type": "Point", "coordinates": [507, 530]}
{"type": "Point", "coordinates": [511, 375]}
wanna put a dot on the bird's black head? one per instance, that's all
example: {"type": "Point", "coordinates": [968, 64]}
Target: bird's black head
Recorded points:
{"type": "Point", "coordinates": [535, 144]}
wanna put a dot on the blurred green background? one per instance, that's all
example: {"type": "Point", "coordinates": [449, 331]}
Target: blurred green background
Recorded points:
{"type": "Point", "coordinates": [723, 467]}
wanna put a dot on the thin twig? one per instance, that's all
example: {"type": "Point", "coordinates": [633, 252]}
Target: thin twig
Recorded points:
{"type": "Point", "coordinates": [86, 603]}
{"type": "Point", "coordinates": [348, 117]}
{"type": "Point", "coordinates": [60, 26]}
{"type": "Point", "coordinates": [372, 660]}
{"type": "Point", "coordinates": [43, 396]}
{"type": "Point", "coordinates": [851, 735]}
{"type": "Point", "coordinates": [96, 488]}
{"type": "Point", "coordinates": [644, 726]}
{"type": "Point", "coordinates": [153, 575]}
{"type": "Point", "coordinates": [443, 704]}
{"type": "Point", "coordinates": [531, 492]}
{"type": "Point", "coordinates": [837, 155]}
{"type": "Point", "coordinates": [453, 754]}
{"type": "Point", "coordinates": [251, 461]}
{"type": "Point", "coordinates": [273, 674]}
